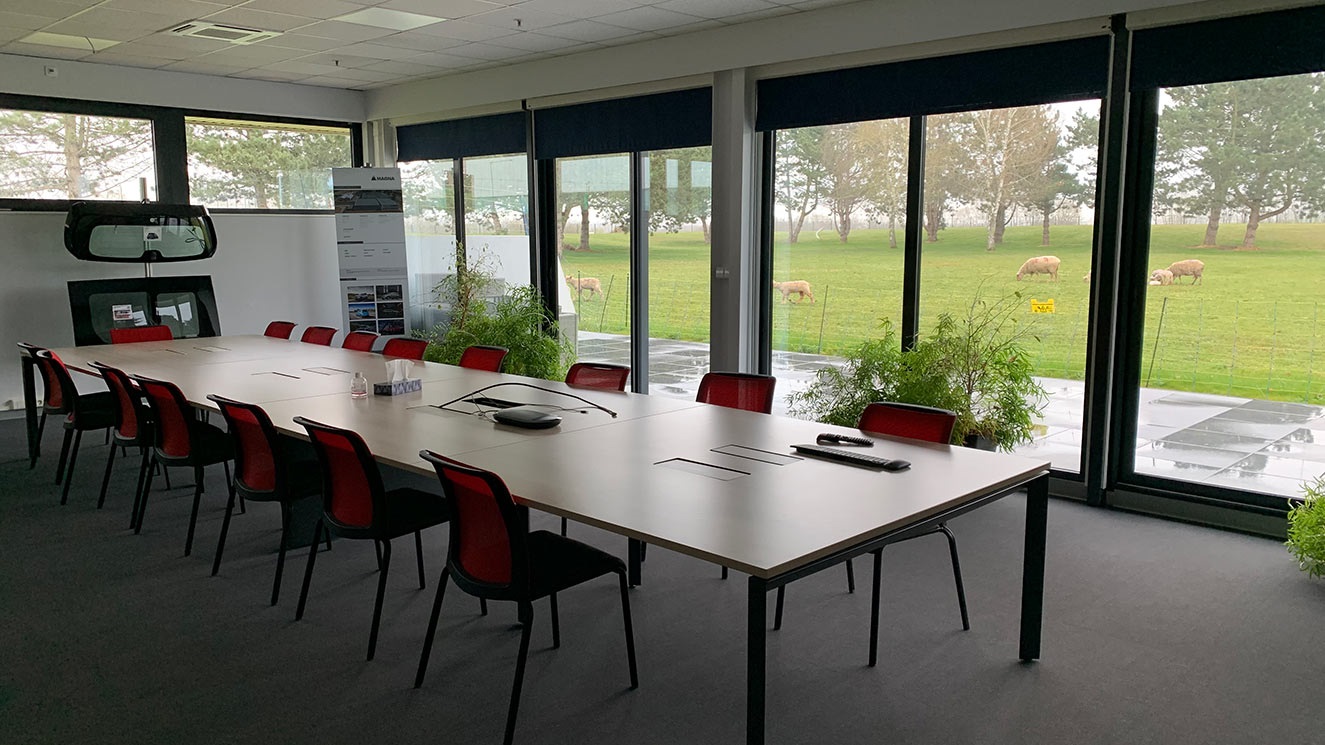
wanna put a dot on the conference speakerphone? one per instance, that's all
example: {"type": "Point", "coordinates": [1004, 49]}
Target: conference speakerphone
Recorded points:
{"type": "Point", "coordinates": [855, 459]}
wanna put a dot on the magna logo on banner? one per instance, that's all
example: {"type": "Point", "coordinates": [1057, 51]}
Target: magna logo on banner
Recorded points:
{"type": "Point", "coordinates": [383, 178]}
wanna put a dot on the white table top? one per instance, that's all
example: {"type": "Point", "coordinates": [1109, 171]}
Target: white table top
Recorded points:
{"type": "Point", "coordinates": [754, 516]}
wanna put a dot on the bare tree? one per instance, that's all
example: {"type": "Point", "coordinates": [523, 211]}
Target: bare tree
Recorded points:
{"type": "Point", "coordinates": [1006, 148]}
{"type": "Point", "coordinates": [882, 146]}
{"type": "Point", "coordinates": [799, 175]}
{"type": "Point", "coordinates": [845, 188]}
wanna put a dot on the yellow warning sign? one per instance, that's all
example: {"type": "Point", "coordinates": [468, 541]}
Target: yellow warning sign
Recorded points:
{"type": "Point", "coordinates": [1042, 306]}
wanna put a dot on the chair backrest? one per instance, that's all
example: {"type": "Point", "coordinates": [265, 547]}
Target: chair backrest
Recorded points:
{"type": "Point", "coordinates": [173, 416]}
{"type": "Point", "coordinates": [352, 492]}
{"type": "Point", "coordinates": [318, 335]}
{"type": "Point", "coordinates": [61, 394]}
{"type": "Point", "coordinates": [908, 420]}
{"type": "Point", "coordinates": [483, 357]}
{"type": "Point", "coordinates": [359, 341]}
{"type": "Point", "coordinates": [258, 467]}
{"type": "Point", "coordinates": [30, 351]}
{"type": "Point", "coordinates": [134, 334]}
{"type": "Point", "coordinates": [747, 391]}
{"type": "Point", "coordinates": [488, 551]}
{"type": "Point", "coordinates": [279, 329]}
{"type": "Point", "coordinates": [598, 375]}
{"type": "Point", "coordinates": [130, 412]}
{"type": "Point", "coordinates": [411, 349]}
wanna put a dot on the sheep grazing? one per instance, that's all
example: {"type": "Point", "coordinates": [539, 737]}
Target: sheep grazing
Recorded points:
{"type": "Point", "coordinates": [1040, 265]}
{"type": "Point", "coordinates": [798, 287]}
{"type": "Point", "coordinates": [1187, 268]}
{"type": "Point", "coordinates": [1086, 278]}
{"type": "Point", "coordinates": [1161, 277]}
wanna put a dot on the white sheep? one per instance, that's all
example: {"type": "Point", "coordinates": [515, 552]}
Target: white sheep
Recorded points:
{"type": "Point", "coordinates": [1161, 277]}
{"type": "Point", "coordinates": [1188, 268]}
{"type": "Point", "coordinates": [1086, 278]}
{"type": "Point", "coordinates": [1040, 265]}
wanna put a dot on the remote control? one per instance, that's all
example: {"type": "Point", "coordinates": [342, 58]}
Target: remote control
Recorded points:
{"type": "Point", "coordinates": [855, 459]}
{"type": "Point", "coordinates": [828, 438]}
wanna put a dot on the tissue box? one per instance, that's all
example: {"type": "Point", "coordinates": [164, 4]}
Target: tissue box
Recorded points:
{"type": "Point", "coordinates": [398, 387]}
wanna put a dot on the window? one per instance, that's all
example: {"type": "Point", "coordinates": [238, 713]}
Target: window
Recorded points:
{"type": "Point", "coordinates": [252, 165]}
{"type": "Point", "coordinates": [62, 156]}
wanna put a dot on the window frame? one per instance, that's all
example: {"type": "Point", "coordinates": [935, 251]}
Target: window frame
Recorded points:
{"type": "Point", "coordinates": [168, 145]}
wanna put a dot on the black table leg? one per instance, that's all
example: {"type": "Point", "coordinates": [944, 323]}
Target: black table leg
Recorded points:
{"type": "Point", "coordinates": [1032, 569]}
{"type": "Point", "coordinates": [756, 664]}
{"type": "Point", "coordinates": [30, 407]}
{"type": "Point", "coordinates": [634, 557]}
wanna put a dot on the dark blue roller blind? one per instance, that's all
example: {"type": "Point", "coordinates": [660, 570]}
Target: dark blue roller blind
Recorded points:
{"type": "Point", "coordinates": [460, 138]}
{"type": "Point", "coordinates": [655, 122]}
{"type": "Point", "coordinates": [1017, 76]}
{"type": "Point", "coordinates": [1264, 45]}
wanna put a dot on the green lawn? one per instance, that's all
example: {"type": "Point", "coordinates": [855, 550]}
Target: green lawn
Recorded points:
{"type": "Point", "coordinates": [1248, 329]}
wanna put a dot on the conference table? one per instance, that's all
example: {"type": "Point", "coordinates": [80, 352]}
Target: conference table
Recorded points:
{"type": "Point", "coordinates": [717, 484]}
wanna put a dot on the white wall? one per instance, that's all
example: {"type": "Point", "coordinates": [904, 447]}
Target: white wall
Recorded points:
{"type": "Point", "coordinates": [97, 82]}
{"type": "Point", "coordinates": [266, 267]}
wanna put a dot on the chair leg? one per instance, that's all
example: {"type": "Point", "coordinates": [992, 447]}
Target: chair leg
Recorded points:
{"type": "Point", "coordinates": [563, 526]}
{"type": "Point", "coordinates": [957, 575]}
{"type": "Point", "coordinates": [630, 632]}
{"type": "Point", "coordinates": [280, 553]}
{"type": "Point", "coordinates": [193, 516]}
{"type": "Point", "coordinates": [308, 570]}
{"type": "Point", "coordinates": [527, 617]}
{"type": "Point", "coordinates": [724, 572]}
{"type": "Point", "coordinates": [483, 606]}
{"type": "Point", "coordinates": [225, 529]}
{"type": "Point", "coordinates": [165, 473]}
{"type": "Point", "coordinates": [777, 612]}
{"type": "Point", "coordinates": [381, 594]}
{"type": "Point", "coordinates": [143, 466]}
{"type": "Point", "coordinates": [556, 622]}
{"type": "Point", "coordinates": [418, 553]}
{"type": "Point", "coordinates": [874, 607]}
{"type": "Point", "coordinates": [137, 521]}
{"type": "Point", "coordinates": [432, 627]}
{"type": "Point", "coordinates": [105, 478]}
{"type": "Point", "coordinates": [64, 455]}
{"type": "Point", "coordinates": [851, 577]}
{"type": "Point", "coordinates": [73, 459]}
{"type": "Point", "coordinates": [41, 429]}
{"type": "Point", "coordinates": [377, 549]}
{"type": "Point", "coordinates": [225, 466]}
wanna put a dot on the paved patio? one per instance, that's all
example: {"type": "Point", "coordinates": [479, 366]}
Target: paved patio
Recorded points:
{"type": "Point", "coordinates": [1243, 443]}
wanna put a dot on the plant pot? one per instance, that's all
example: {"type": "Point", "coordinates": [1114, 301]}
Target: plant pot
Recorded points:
{"type": "Point", "coordinates": [980, 442]}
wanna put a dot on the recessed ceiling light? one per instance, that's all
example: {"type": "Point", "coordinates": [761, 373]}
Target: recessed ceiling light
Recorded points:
{"type": "Point", "coordinates": [396, 20]}
{"type": "Point", "coordinates": [68, 41]}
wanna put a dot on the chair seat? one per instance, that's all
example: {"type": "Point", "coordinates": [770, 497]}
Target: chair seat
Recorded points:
{"type": "Point", "coordinates": [210, 445]}
{"type": "Point", "coordinates": [557, 563]}
{"type": "Point", "coordinates": [303, 478]}
{"type": "Point", "coordinates": [95, 411]}
{"type": "Point", "coordinates": [409, 510]}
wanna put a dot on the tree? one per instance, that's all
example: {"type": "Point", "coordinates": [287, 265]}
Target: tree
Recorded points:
{"type": "Point", "coordinates": [1192, 161]}
{"type": "Point", "coordinates": [268, 168]}
{"type": "Point", "coordinates": [946, 177]}
{"type": "Point", "coordinates": [428, 192]}
{"type": "Point", "coordinates": [844, 186]}
{"type": "Point", "coordinates": [680, 189]}
{"type": "Point", "coordinates": [1006, 148]}
{"type": "Point", "coordinates": [1050, 189]}
{"type": "Point", "coordinates": [70, 156]}
{"type": "Point", "coordinates": [799, 175]}
{"type": "Point", "coordinates": [882, 146]}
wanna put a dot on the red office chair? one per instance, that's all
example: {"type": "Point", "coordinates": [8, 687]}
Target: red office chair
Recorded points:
{"type": "Point", "coordinates": [181, 439]}
{"type": "Point", "coordinates": [318, 335]}
{"type": "Point", "coordinates": [83, 412]}
{"type": "Point", "coordinates": [133, 428]}
{"type": "Point", "coordinates": [598, 375]}
{"type": "Point", "coordinates": [135, 334]}
{"type": "Point", "coordinates": [359, 341]}
{"type": "Point", "coordinates": [30, 351]}
{"type": "Point", "coordinates": [917, 423]}
{"type": "Point", "coordinates": [263, 473]}
{"type": "Point", "coordinates": [746, 391]}
{"type": "Point", "coordinates": [356, 505]}
{"type": "Point", "coordinates": [410, 349]}
{"type": "Point", "coordinates": [279, 329]}
{"type": "Point", "coordinates": [493, 556]}
{"type": "Point", "coordinates": [483, 357]}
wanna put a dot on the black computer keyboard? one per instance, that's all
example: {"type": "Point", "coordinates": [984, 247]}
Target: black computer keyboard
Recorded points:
{"type": "Point", "coordinates": [854, 458]}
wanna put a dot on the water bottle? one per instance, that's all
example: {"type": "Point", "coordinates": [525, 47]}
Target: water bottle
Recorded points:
{"type": "Point", "coordinates": [358, 386]}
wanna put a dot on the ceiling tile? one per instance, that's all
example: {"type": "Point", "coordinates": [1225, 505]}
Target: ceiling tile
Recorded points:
{"type": "Point", "coordinates": [185, 9]}
{"type": "Point", "coordinates": [42, 50]}
{"type": "Point", "coordinates": [466, 31]}
{"type": "Point", "coordinates": [10, 34]}
{"type": "Point", "coordinates": [144, 23]}
{"type": "Point", "coordinates": [347, 31]}
{"type": "Point", "coordinates": [56, 9]}
{"type": "Point", "coordinates": [336, 59]}
{"type": "Point", "coordinates": [649, 19]}
{"type": "Point", "coordinates": [363, 76]}
{"type": "Point", "coordinates": [710, 9]}
{"type": "Point", "coordinates": [451, 9]}
{"type": "Point", "coordinates": [487, 52]}
{"type": "Point", "coordinates": [252, 55]}
{"type": "Point", "coordinates": [203, 67]}
{"type": "Point", "coordinates": [81, 28]}
{"type": "Point", "coordinates": [110, 57]}
{"type": "Point", "coordinates": [303, 41]}
{"type": "Point", "coordinates": [143, 49]}
{"type": "Point", "coordinates": [532, 42]}
{"type": "Point", "coordinates": [585, 9]}
{"type": "Point", "coordinates": [263, 73]}
{"type": "Point", "coordinates": [633, 39]}
{"type": "Point", "coordinates": [692, 28]}
{"type": "Point", "coordinates": [320, 9]}
{"type": "Point", "coordinates": [443, 60]}
{"type": "Point", "coordinates": [404, 68]}
{"type": "Point", "coordinates": [780, 10]}
{"type": "Point", "coordinates": [331, 82]}
{"type": "Point", "coordinates": [588, 31]}
{"type": "Point", "coordinates": [521, 18]}
{"type": "Point", "coordinates": [259, 19]}
{"type": "Point", "coordinates": [10, 19]}
{"type": "Point", "coordinates": [299, 66]}
{"type": "Point", "coordinates": [194, 44]}
{"type": "Point", "coordinates": [377, 51]}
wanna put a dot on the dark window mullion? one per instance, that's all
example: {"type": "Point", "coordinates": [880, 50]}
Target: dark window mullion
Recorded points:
{"type": "Point", "coordinates": [639, 273]}
{"type": "Point", "coordinates": [915, 231]}
{"type": "Point", "coordinates": [172, 167]}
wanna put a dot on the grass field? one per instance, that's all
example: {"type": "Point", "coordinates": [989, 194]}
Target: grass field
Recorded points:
{"type": "Point", "coordinates": [1249, 329]}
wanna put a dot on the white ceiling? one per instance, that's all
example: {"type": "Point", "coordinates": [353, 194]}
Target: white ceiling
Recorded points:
{"type": "Point", "coordinates": [314, 50]}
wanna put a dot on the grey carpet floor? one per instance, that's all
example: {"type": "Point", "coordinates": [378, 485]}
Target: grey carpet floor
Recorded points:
{"type": "Point", "coordinates": [1154, 632]}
